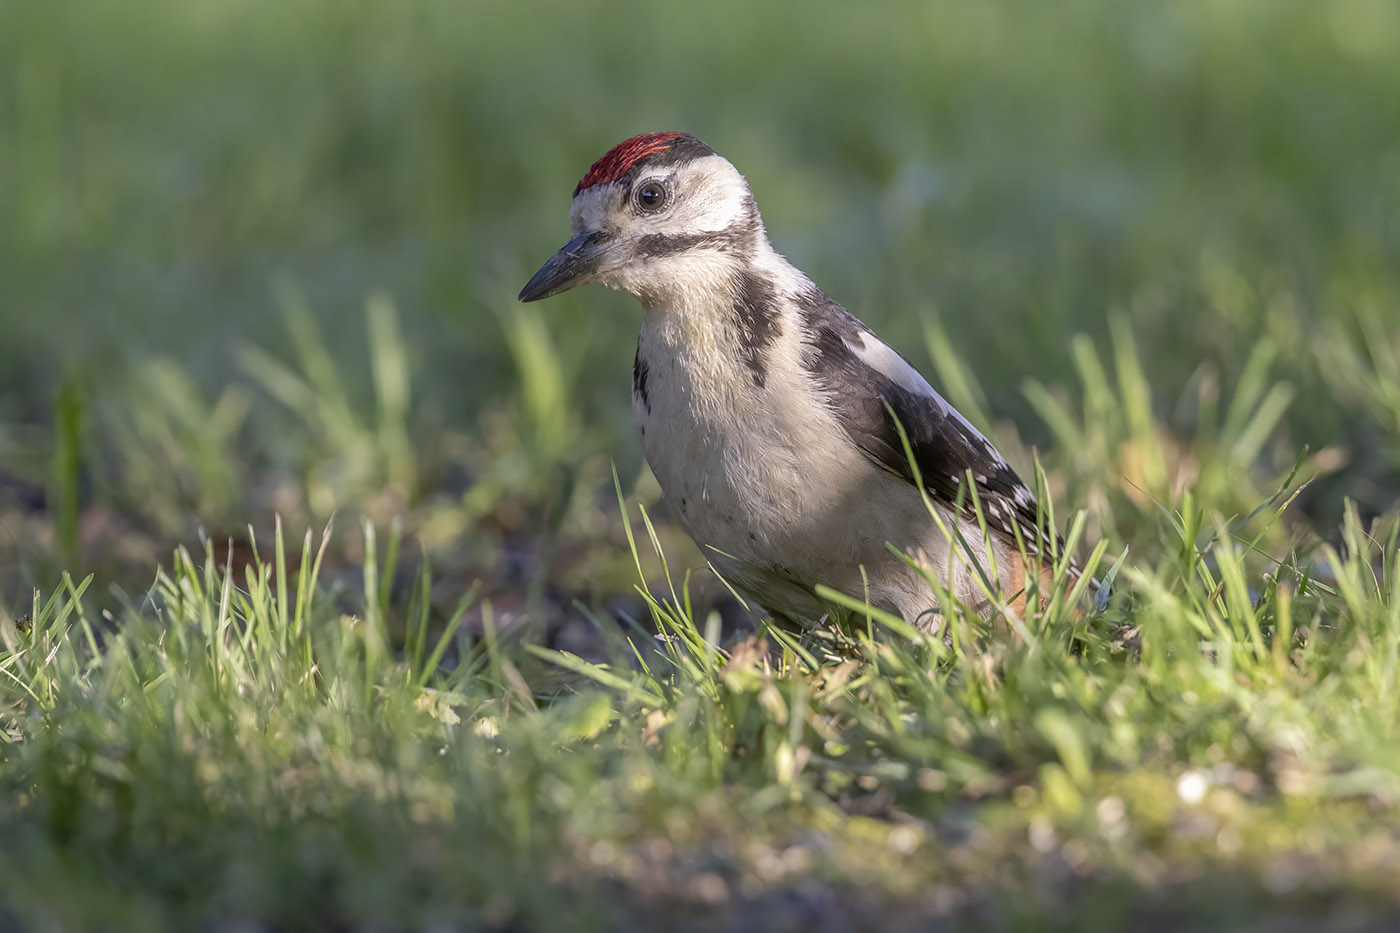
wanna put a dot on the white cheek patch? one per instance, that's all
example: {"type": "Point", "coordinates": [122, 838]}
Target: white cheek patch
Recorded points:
{"type": "Point", "coordinates": [711, 195]}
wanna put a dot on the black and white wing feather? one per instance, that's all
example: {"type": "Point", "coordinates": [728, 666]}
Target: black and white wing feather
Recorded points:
{"type": "Point", "coordinates": [868, 386]}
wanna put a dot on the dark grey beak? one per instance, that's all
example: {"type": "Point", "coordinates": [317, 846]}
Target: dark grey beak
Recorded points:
{"type": "Point", "coordinates": [578, 262]}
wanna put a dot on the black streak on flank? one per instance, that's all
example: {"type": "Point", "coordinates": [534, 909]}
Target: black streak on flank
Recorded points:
{"type": "Point", "coordinates": [872, 408]}
{"type": "Point", "coordinates": [756, 307]}
{"type": "Point", "coordinates": [639, 380]}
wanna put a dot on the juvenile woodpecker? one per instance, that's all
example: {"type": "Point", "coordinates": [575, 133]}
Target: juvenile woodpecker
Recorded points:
{"type": "Point", "coordinates": [771, 415]}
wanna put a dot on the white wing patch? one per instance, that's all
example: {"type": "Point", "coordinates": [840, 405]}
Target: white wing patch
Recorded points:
{"type": "Point", "coordinates": [853, 367]}
{"type": "Point", "coordinates": [886, 361]}
{"type": "Point", "coordinates": [879, 356]}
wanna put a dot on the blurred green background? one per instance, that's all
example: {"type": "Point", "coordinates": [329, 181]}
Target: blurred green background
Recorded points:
{"type": "Point", "coordinates": [198, 202]}
{"type": "Point", "coordinates": [260, 259]}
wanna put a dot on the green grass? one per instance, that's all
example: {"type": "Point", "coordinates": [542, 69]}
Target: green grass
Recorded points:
{"type": "Point", "coordinates": [257, 271]}
{"type": "Point", "coordinates": [246, 744]}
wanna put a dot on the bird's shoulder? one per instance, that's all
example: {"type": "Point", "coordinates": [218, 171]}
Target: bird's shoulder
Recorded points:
{"type": "Point", "coordinates": [874, 392]}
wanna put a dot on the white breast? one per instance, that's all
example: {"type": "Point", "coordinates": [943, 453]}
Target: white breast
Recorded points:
{"type": "Point", "coordinates": [767, 481]}
{"type": "Point", "coordinates": [739, 461]}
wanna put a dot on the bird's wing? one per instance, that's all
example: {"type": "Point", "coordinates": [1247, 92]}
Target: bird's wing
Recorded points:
{"type": "Point", "coordinates": [874, 391]}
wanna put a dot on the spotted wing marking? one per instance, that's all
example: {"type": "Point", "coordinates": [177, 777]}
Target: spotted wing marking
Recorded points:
{"type": "Point", "coordinates": [874, 392]}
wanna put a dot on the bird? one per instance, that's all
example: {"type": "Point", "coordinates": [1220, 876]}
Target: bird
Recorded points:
{"type": "Point", "coordinates": [798, 449]}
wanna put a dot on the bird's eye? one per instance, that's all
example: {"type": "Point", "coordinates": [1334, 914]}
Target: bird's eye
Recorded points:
{"type": "Point", "coordinates": [651, 196]}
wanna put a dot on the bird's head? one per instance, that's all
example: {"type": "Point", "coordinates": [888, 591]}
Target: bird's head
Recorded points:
{"type": "Point", "coordinates": [658, 214]}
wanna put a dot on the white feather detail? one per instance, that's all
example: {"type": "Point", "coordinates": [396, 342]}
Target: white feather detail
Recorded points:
{"type": "Point", "coordinates": [882, 358]}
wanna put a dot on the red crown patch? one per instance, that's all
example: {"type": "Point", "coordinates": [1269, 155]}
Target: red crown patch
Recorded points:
{"type": "Point", "coordinates": [617, 160]}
